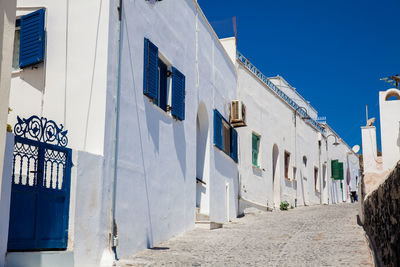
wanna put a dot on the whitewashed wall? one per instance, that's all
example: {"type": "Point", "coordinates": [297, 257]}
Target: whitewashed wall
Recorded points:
{"type": "Point", "coordinates": [5, 195]}
{"type": "Point", "coordinates": [69, 87]}
{"type": "Point", "coordinates": [7, 18]}
{"type": "Point", "coordinates": [390, 127]}
{"type": "Point", "coordinates": [270, 117]}
{"type": "Point", "coordinates": [156, 181]}
{"type": "Point", "coordinates": [88, 230]}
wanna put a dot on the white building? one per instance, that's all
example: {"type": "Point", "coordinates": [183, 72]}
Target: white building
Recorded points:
{"type": "Point", "coordinates": [341, 155]}
{"type": "Point", "coordinates": [284, 162]}
{"type": "Point", "coordinates": [284, 152]}
{"type": "Point", "coordinates": [145, 96]}
{"type": "Point", "coordinates": [147, 120]}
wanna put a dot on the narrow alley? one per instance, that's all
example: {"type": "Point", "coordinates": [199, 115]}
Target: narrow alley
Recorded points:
{"type": "Point", "coordinates": [306, 236]}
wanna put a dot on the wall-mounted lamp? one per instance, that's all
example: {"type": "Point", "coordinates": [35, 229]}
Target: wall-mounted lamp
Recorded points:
{"type": "Point", "coordinates": [336, 143]}
{"type": "Point", "coordinates": [306, 117]}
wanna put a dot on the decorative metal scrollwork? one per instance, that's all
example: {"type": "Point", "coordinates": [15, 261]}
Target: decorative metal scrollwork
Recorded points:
{"type": "Point", "coordinates": [42, 130]}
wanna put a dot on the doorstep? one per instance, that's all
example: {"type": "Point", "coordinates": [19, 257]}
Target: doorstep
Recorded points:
{"type": "Point", "coordinates": [208, 225]}
{"type": "Point", "coordinates": [40, 259]}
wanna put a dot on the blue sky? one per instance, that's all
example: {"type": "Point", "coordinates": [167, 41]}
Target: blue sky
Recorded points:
{"type": "Point", "coordinates": [333, 52]}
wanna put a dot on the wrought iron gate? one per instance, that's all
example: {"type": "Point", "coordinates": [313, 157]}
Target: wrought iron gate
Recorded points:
{"type": "Point", "coordinates": [40, 186]}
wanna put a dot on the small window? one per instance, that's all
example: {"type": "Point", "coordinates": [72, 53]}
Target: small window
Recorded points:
{"type": "Point", "coordinates": [163, 83]}
{"type": "Point", "coordinates": [316, 179]}
{"type": "Point", "coordinates": [255, 150]}
{"type": "Point", "coordinates": [225, 136]}
{"type": "Point", "coordinates": [15, 63]}
{"type": "Point", "coordinates": [226, 133]}
{"type": "Point", "coordinates": [287, 164]}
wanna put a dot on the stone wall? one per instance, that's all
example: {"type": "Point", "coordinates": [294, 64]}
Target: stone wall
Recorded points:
{"type": "Point", "coordinates": [381, 210]}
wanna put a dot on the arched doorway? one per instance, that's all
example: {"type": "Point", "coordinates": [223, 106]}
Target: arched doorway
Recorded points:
{"type": "Point", "coordinates": [202, 156]}
{"type": "Point", "coordinates": [276, 181]}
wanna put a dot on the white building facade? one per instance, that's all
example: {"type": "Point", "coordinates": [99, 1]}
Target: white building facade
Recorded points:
{"type": "Point", "coordinates": [145, 96]}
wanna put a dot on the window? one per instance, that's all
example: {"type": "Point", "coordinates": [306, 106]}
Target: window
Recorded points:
{"type": "Point", "coordinates": [255, 150]}
{"type": "Point", "coordinates": [226, 133]}
{"type": "Point", "coordinates": [225, 136]}
{"type": "Point", "coordinates": [160, 81]}
{"type": "Point", "coordinates": [287, 164]}
{"type": "Point", "coordinates": [29, 40]}
{"type": "Point", "coordinates": [337, 170]}
{"type": "Point", "coordinates": [316, 179]}
{"type": "Point", "coordinates": [15, 63]}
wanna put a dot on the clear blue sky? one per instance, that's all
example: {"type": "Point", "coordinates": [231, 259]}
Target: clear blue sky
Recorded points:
{"type": "Point", "coordinates": [333, 52]}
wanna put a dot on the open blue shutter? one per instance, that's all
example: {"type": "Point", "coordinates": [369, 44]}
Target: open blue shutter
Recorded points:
{"type": "Point", "coordinates": [217, 129]}
{"type": "Point", "coordinates": [178, 94]}
{"type": "Point", "coordinates": [234, 145]}
{"type": "Point", "coordinates": [150, 72]}
{"type": "Point", "coordinates": [32, 38]}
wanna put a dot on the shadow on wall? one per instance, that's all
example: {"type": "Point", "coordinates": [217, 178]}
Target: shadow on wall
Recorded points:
{"type": "Point", "coordinates": [180, 144]}
{"type": "Point", "coordinates": [35, 76]}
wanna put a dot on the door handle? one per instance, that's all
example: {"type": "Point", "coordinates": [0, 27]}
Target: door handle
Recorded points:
{"type": "Point", "coordinates": [39, 171]}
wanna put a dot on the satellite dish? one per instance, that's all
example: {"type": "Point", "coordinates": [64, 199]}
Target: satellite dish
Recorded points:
{"type": "Point", "coordinates": [356, 148]}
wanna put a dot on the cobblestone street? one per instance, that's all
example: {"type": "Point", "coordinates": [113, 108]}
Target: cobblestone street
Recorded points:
{"type": "Point", "coordinates": [307, 236]}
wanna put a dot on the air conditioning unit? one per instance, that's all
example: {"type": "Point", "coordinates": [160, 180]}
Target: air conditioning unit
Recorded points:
{"type": "Point", "coordinates": [237, 113]}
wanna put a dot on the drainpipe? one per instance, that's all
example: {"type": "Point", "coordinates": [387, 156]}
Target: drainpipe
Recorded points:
{"type": "Point", "coordinates": [114, 233]}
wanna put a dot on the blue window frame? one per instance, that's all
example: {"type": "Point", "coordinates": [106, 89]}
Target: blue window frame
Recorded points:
{"type": "Point", "coordinates": [32, 38]}
{"type": "Point", "coordinates": [225, 136]}
{"type": "Point", "coordinates": [157, 79]}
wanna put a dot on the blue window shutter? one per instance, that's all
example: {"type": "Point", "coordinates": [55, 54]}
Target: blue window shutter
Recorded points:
{"type": "Point", "coordinates": [217, 129]}
{"type": "Point", "coordinates": [178, 94]}
{"type": "Point", "coordinates": [150, 71]}
{"type": "Point", "coordinates": [234, 145]}
{"type": "Point", "coordinates": [32, 38]}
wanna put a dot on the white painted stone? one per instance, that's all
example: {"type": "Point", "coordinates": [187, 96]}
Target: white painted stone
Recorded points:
{"type": "Point", "coordinates": [369, 149]}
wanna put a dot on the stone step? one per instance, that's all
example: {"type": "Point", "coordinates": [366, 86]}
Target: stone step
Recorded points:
{"type": "Point", "coordinates": [208, 225]}
{"type": "Point", "coordinates": [40, 259]}
{"type": "Point", "coordinates": [202, 217]}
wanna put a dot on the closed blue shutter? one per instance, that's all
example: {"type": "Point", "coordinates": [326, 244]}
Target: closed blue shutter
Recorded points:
{"type": "Point", "coordinates": [217, 129]}
{"type": "Point", "coordinates": [234, 145]}
{"type": "Point", "coordinates": [150, 72]}
{"type": "Point", "coordinates": [178, 94]}
{"type": "Point", "coordinates": [32, 38]}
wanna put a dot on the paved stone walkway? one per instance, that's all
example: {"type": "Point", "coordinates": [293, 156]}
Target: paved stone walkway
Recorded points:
{"type": "Point", "coordinates": [307, 236]}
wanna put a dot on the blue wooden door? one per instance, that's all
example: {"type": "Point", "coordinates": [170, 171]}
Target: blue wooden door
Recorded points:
{"type": "Point", "coordinates": [39, 196]}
